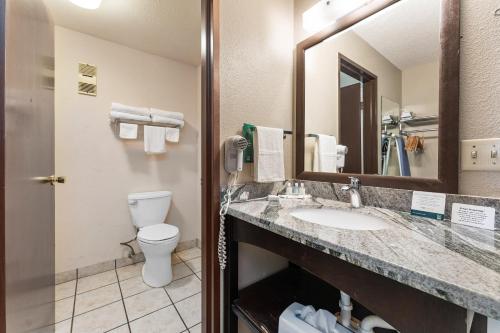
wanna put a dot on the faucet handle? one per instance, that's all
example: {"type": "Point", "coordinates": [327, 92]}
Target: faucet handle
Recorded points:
{"type": "Point", "coordinates": [355, 182]}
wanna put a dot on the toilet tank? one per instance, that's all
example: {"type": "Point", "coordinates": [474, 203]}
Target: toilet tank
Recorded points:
{"type": "Point", "coordinates": [149, 208]}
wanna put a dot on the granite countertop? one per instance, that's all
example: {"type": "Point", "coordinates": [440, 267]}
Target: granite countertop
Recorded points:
{"type": "Point", "coordinates": [457, 263]}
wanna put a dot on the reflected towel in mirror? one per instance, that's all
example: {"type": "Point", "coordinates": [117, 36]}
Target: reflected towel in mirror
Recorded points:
{"type": "Point", "coordinates": [325, 154]}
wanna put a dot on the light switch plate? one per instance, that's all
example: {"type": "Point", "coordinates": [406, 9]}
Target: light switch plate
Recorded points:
{"type": "Point", "coordinates": [480, 155]}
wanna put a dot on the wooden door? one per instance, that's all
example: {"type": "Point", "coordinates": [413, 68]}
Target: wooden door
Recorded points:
{"type": "Point", "coordinates": [27, 123]}
{"type": "Point", "coordinates": [350, 126]}
{"type": "Point", "coordinates": [370, 127]}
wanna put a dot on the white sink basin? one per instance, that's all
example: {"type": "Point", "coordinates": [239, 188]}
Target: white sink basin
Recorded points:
{"type": "Point", "coordinates": [339, 219]}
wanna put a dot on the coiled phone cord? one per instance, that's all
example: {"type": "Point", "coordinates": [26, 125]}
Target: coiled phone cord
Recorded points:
{"type": "Point", "coordinates": [226, 201]}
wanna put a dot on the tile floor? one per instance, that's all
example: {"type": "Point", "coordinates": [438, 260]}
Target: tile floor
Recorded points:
{"type": "Point", "coordinates": [118, 301]}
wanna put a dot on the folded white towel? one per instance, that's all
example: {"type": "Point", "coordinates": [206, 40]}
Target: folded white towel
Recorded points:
{"type": "Point", "coordinates": [165, 120]}
{"type": "Point", "coordinates": [128, 116]}
{"type": "Point", "coordinates": [325, 154]}
{"type": "Point", "coordinates": [130, 109]}
{"type": "Point", "coordinates": [128, 131]}
{"type": "Point", "coordinates": [167, 114]}
{"type": "Point", "coordinates": [154, 140]}
{"type": "Point", "coordinates": [269, 160]}
{"type": "Point", "coordinates": [172, 134]}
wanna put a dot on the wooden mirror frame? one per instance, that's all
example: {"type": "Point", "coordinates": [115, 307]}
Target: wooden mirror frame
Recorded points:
{"type": "Point", "coordinates": [447, 180]}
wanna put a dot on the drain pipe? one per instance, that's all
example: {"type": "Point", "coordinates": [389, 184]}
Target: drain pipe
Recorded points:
{"type": "Point", "coordinates": [345, 309]}
{"type": "Point", "coordinates": [370, 322]}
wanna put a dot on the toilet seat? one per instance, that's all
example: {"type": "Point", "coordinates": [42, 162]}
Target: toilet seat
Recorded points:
{"type": "Point", "coordinates": [158, 233]}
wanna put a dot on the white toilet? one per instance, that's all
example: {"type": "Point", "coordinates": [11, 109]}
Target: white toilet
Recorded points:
{"type": "Point", "coordinates": [156, 239]}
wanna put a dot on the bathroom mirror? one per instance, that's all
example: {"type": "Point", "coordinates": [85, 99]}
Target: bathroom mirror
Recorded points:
{"type": "Point", "coordinates": [377, 97]}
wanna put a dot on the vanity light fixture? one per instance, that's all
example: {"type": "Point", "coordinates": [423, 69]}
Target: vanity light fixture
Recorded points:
{"type": "Point", "coordinates": [87, 4]}
{"type": "Point", "coordinates": [325, 12]}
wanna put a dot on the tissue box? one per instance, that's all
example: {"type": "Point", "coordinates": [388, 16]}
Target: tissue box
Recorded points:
{"type": "Point", "coordinates": [289, 323]}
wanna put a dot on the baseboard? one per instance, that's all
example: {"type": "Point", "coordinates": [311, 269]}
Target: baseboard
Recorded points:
{"type": "Point", "coordinates": [73, 274]}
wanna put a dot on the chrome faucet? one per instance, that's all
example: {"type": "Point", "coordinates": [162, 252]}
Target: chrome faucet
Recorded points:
{"type": "Point", "coordinates": [353, 189]}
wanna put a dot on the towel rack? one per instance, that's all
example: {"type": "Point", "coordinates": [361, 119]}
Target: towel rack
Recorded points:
{"type": "Point", "coordinates": [406, 133]}
{"type": "Point", "coordinates": [140, 122]}
{"type": "Point", "coordinates": [285, 132]}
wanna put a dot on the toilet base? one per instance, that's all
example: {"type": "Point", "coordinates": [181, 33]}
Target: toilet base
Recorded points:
{"type": "Point", "coordinates": [157, 272]}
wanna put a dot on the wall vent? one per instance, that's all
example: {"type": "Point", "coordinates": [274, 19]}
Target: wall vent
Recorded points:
{"type": "Point", "coordinates": [87, 79]}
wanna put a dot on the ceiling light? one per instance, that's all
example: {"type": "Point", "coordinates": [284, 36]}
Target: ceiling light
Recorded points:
{"type": "Point", "coordinates": [87, 4]}
{"type": "Point", "coordinates": [325, 12]}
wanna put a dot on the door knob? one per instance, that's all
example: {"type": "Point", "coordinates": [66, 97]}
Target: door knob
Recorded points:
{"type": "Point", "coordinates": [52, 180]}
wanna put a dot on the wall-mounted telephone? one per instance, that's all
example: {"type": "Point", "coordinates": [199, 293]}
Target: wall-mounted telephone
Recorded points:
{"type": "Point", "coordinates": [233, 164]}
{"type": "Point", "coordinates": [233, 153]}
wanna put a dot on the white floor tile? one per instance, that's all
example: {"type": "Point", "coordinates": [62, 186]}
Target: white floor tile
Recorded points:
{"type": "Point", "coordinates": [63, 327]}
{"type": "Point", "coordinates": [189, 254]}
{"type": "Point", "coordinates": [183, 288]}
{"type": "Point", "coordinates": [129, 271]}
{"type": "Point", "coordinates": [96, 281]}
{"type": "Point", "coordinates": [64, 309]}
{"type": "Point", "coordinates": [133, 286]}
{"type": "Point", "coordinates": [195, 329]}
{"type": "Point", "coordinates": [146, 302]}
{"type": "Point", "coordinates": [180, 270]}
{"type": "Point", "coordinates": [190, 310]}
{"type": "Point", "coordinates": [121, 329]}
{"type": "Point", "coordinates": [162, 321]}
{"type": "Point", "coordinates": [97, 298]}
{"type": "Point", "coordinates": [194, 264]}
{"type": "Point", "coordinates": [100, 320]}
{"type": "Point", "coordinates": [65, 290]}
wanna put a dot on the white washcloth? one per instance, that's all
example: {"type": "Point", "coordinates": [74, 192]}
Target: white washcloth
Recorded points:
{"type": "Point", "coordinates": [269, 160]}
{"type": "Point", "coordinates": [341, 154]}
{"type": "Point", "coordinates": [128, 116]}
{"type": "Point", "coordinates": [130, 109]}
{"type": "Point", "coordinates": [325, 154]}
{"type": "Point", "coordinates": [154, 140]}
{"type": "Point", "coordinates": [167, 114]}
{"type": "Point", "coordinates": [128, 131]}
{"type": "Point", "coordinates": [322, 320]}
{"type": "Point", "coordinates": [165, 120]}
{"type": "Point", "coordinates": [172, 134]}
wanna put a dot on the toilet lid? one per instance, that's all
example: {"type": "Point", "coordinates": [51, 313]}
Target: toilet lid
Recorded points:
{"type": "Point", "coordinates": [158, 232]}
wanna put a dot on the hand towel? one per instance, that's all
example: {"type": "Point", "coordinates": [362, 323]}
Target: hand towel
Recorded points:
{"type": "Point", "coordinates": [404, 163]}
{"type": "Point", "coordinates": [167, 114]}
{"type": "Point", "coordinates": [325, 154]}
{"type": "Point", "coordinates": [130, 109]}
{"type": "Point", "coordinates": [128, 116]}
{"type": "Point", "coordinates": [172, 134]}
{"type": "Point", "coordinates": [128, 131]}
{"type": "Point", "coordinates": [154, 140]}
{"type": "Point", "coordinates": [165, 120]}
{"type": "Point", "coordinates": [269, 160]}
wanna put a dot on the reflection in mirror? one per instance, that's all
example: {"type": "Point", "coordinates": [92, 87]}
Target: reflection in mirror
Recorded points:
{"type": "Point", "coordinates": [372, 95]}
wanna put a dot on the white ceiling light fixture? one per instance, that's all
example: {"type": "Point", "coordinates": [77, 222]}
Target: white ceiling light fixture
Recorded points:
{"type": "Point", "coordinates": [325, 12]}
{"type": "Point", "coordinates": [87, 4]}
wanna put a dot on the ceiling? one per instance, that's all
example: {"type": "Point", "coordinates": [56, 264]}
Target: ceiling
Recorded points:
{"type": "Point", "coordinates": [406, 33]}
{"type": "Point", "coordinates": [167, 28]}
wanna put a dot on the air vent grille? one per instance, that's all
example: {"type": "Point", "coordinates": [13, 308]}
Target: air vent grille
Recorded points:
{"type": "Point", "coordinates": [87, 79]}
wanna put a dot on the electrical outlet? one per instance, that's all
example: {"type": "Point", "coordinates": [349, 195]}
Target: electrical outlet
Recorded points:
{"type": "Point", "coordinates": [480, 155]}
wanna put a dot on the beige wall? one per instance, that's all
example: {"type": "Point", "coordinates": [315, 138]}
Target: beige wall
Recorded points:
{"type": "Point", "coordinates": [479, 87]}
{"type": "Point", "coordinates": [92, 216]}
{"type": "Point", "coordinates": [420, 95]}
{"type": "Point", "coordinates": [256, 71]}
{"type": "Point", "coordinates": [321, 94]}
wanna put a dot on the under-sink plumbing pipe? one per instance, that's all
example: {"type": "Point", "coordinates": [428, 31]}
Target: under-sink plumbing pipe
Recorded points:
{"type": "Point", "coordinates": [371, 322]}
{"type": "Point", "coordinates": [345, 309]}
